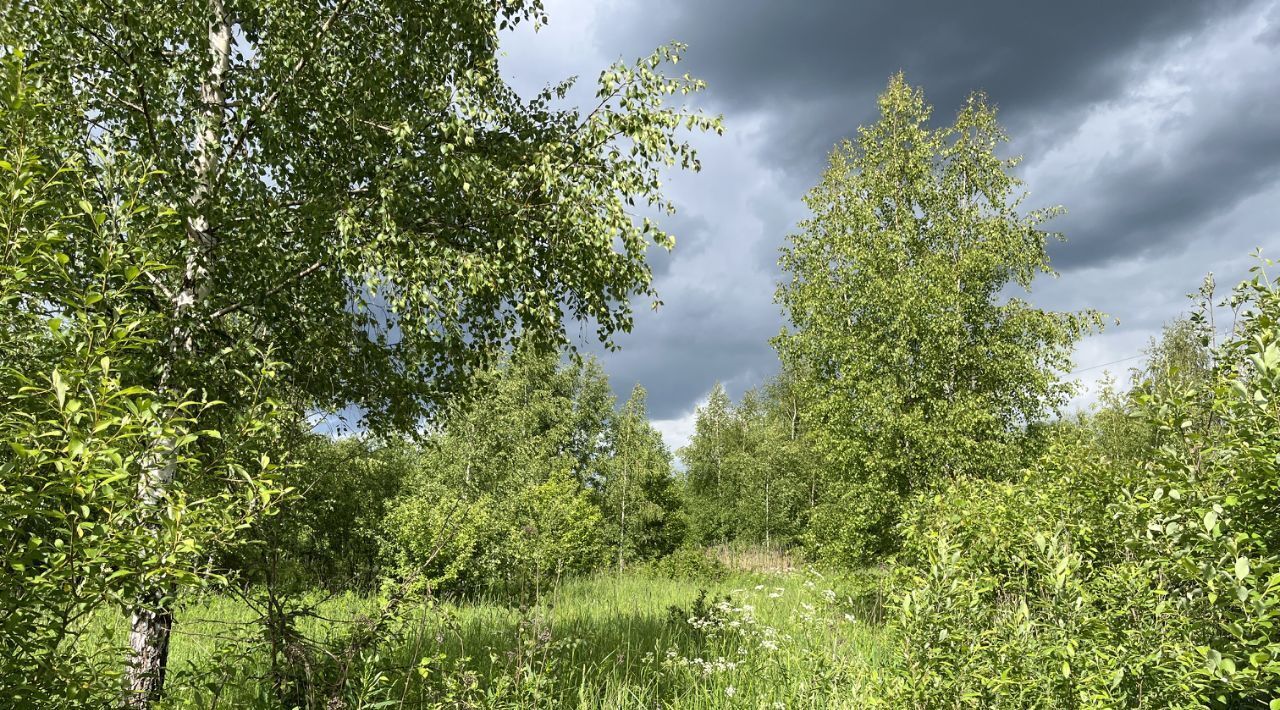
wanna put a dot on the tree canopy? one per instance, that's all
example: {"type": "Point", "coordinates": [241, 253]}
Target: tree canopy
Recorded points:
{"type": "Point", "coordinates": [357, 204]}
{"type": "Point", "coordinates": [898, 293]}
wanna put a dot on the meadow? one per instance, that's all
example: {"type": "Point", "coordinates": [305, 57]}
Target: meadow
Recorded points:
{"type": "Point", "coordinates": [757, 632]}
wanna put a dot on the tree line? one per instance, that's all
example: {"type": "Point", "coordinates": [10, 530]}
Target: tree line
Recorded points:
{"type": "Point", "coordinates": [1124, 556]}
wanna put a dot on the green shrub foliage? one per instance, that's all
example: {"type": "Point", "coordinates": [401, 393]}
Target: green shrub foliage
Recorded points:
{"type": "Point", "coordinates": [535, 478]}
{"type": "Point", "coordinates": [328, 530]}
{"type": "Point", "coordinates": [76, 416]}
{"type": "Point", "coordinates": [1135, 565]}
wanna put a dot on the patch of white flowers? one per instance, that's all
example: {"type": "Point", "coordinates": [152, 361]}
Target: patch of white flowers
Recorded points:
{"type": "Point", "coordinates": [706, 668]}
{"type": "Point", "coordinates": [730, 627]}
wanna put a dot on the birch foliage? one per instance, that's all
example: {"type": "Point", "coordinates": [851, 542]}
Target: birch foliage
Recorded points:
{"type": "Point", "coordinates": [901, 290]}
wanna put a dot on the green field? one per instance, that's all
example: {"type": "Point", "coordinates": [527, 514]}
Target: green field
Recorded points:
{"type": "Point", "coordinates": [782, 639]}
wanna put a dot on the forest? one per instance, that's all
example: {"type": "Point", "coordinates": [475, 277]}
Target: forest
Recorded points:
{"type": "Point", "coordinates": [227, 223]}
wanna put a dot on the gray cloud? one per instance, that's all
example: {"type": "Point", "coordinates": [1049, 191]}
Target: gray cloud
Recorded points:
{"type": "Point", "coordinates": [816, 66]}
{"type": "Point", "coordinates": [1152, 122]}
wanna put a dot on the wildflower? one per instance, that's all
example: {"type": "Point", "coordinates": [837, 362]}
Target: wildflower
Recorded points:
{"type": "Point", "coordinates": [730, 691]}
{"type": "Point", "coordinates": [850, 618]}
{"type": "Point", "coordinates": [759, 587]}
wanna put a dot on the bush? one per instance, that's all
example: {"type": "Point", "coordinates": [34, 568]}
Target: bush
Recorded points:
{"type": "Point", "coordinates": [516, 543]}
{"type": "Point", "coordinates": [78, 421]}
{"type": "Point", "coordinates": [689, 563]}
{"type": "Point", "coordinates": [1107, 576]}
{"type": "Point", "coordinates": [856, 528]}
{"type": "Point", "coordinates": [551, 529]}
{"type": "Point", "coordinates": [328, 530]}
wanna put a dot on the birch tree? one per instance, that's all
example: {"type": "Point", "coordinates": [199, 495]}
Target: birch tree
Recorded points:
{"type": "Point", "coordinates": [634, 486]}
{"type": "Point", "coordinates": [360, 192]}
{"type": "Point", "coordinates": [712, 485]}
{"type": "Point", "coordinates": [902, 291]}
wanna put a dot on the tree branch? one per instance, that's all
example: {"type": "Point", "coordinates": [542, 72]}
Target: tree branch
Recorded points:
{"type": "Point", "coordinates": [227, 310]}
{"type": "Point", "coordinates": [274, 96]}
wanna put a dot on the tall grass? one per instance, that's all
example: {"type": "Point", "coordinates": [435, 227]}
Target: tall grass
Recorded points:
{"type": "Point", "coordinates": [758, 639]}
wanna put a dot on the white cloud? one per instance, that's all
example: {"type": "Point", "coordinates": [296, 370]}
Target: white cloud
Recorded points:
{"type": "Point", "coordinates": [678, 432]}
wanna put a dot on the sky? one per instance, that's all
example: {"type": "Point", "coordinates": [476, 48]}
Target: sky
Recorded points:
{"type": "Point", "coordinates": [1154, 123]}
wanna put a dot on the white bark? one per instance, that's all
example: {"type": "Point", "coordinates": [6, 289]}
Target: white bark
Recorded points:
{"type": "Point", "coordinates": [151, 623]}
{"type": "Point", "coordinates": [622, 522]}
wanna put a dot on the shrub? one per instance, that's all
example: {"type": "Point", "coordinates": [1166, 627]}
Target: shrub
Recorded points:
{"type": "Point", "coordinates": [78, 422]}
{"type": "Point", "coordinates": [689, 563]}
{"type": "Point", "coordinates": [1108, 576]}
{"type": "Point", "coordinates": [514, 543]}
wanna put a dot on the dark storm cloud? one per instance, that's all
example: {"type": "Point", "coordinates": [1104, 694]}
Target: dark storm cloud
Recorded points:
{"type": "Point", "coordinates": [1152, 121]}
{"type": "Point", "coordinates": [679, 353]}
{"type": "Point", "coordinates": [817, 65]}
{"type": "Point", "coordinates": [1155, 198]}
{"type": "Point", "coordinates": [814, 70]}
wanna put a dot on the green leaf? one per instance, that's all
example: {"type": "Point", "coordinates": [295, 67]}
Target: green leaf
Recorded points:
{"type": "Point", "coordinates": [1242, 567]}
{"type": "Point", "coordinates": [59, 388]}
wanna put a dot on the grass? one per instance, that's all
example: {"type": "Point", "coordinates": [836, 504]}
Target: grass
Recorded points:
{"type": "Point", "coordinates": [756, 639]}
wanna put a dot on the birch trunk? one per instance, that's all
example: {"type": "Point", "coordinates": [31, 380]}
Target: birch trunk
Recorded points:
{"type": "Point", "coordinates": [622, 522]}
{"type": "Point", "coordinates": [766, 515]}
{"type": "Point", "coordinates": [151, 623]}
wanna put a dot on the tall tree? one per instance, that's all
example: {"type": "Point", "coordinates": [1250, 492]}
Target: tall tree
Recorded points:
{"type": "Point", "coordinates": [72, 276]}
{"type": "Point", "coordinates": [359, 192]}
{"type": "Point", "coordinates": [778, 469]}
{"type": "Point", "coordinates": [636, 488]}
{"type": "Point", "coordinates": [750, 468]}
{"type": "Point", "coordinates": [710, 479]}
{"type": "Point", "coordinates": [897, 293]}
